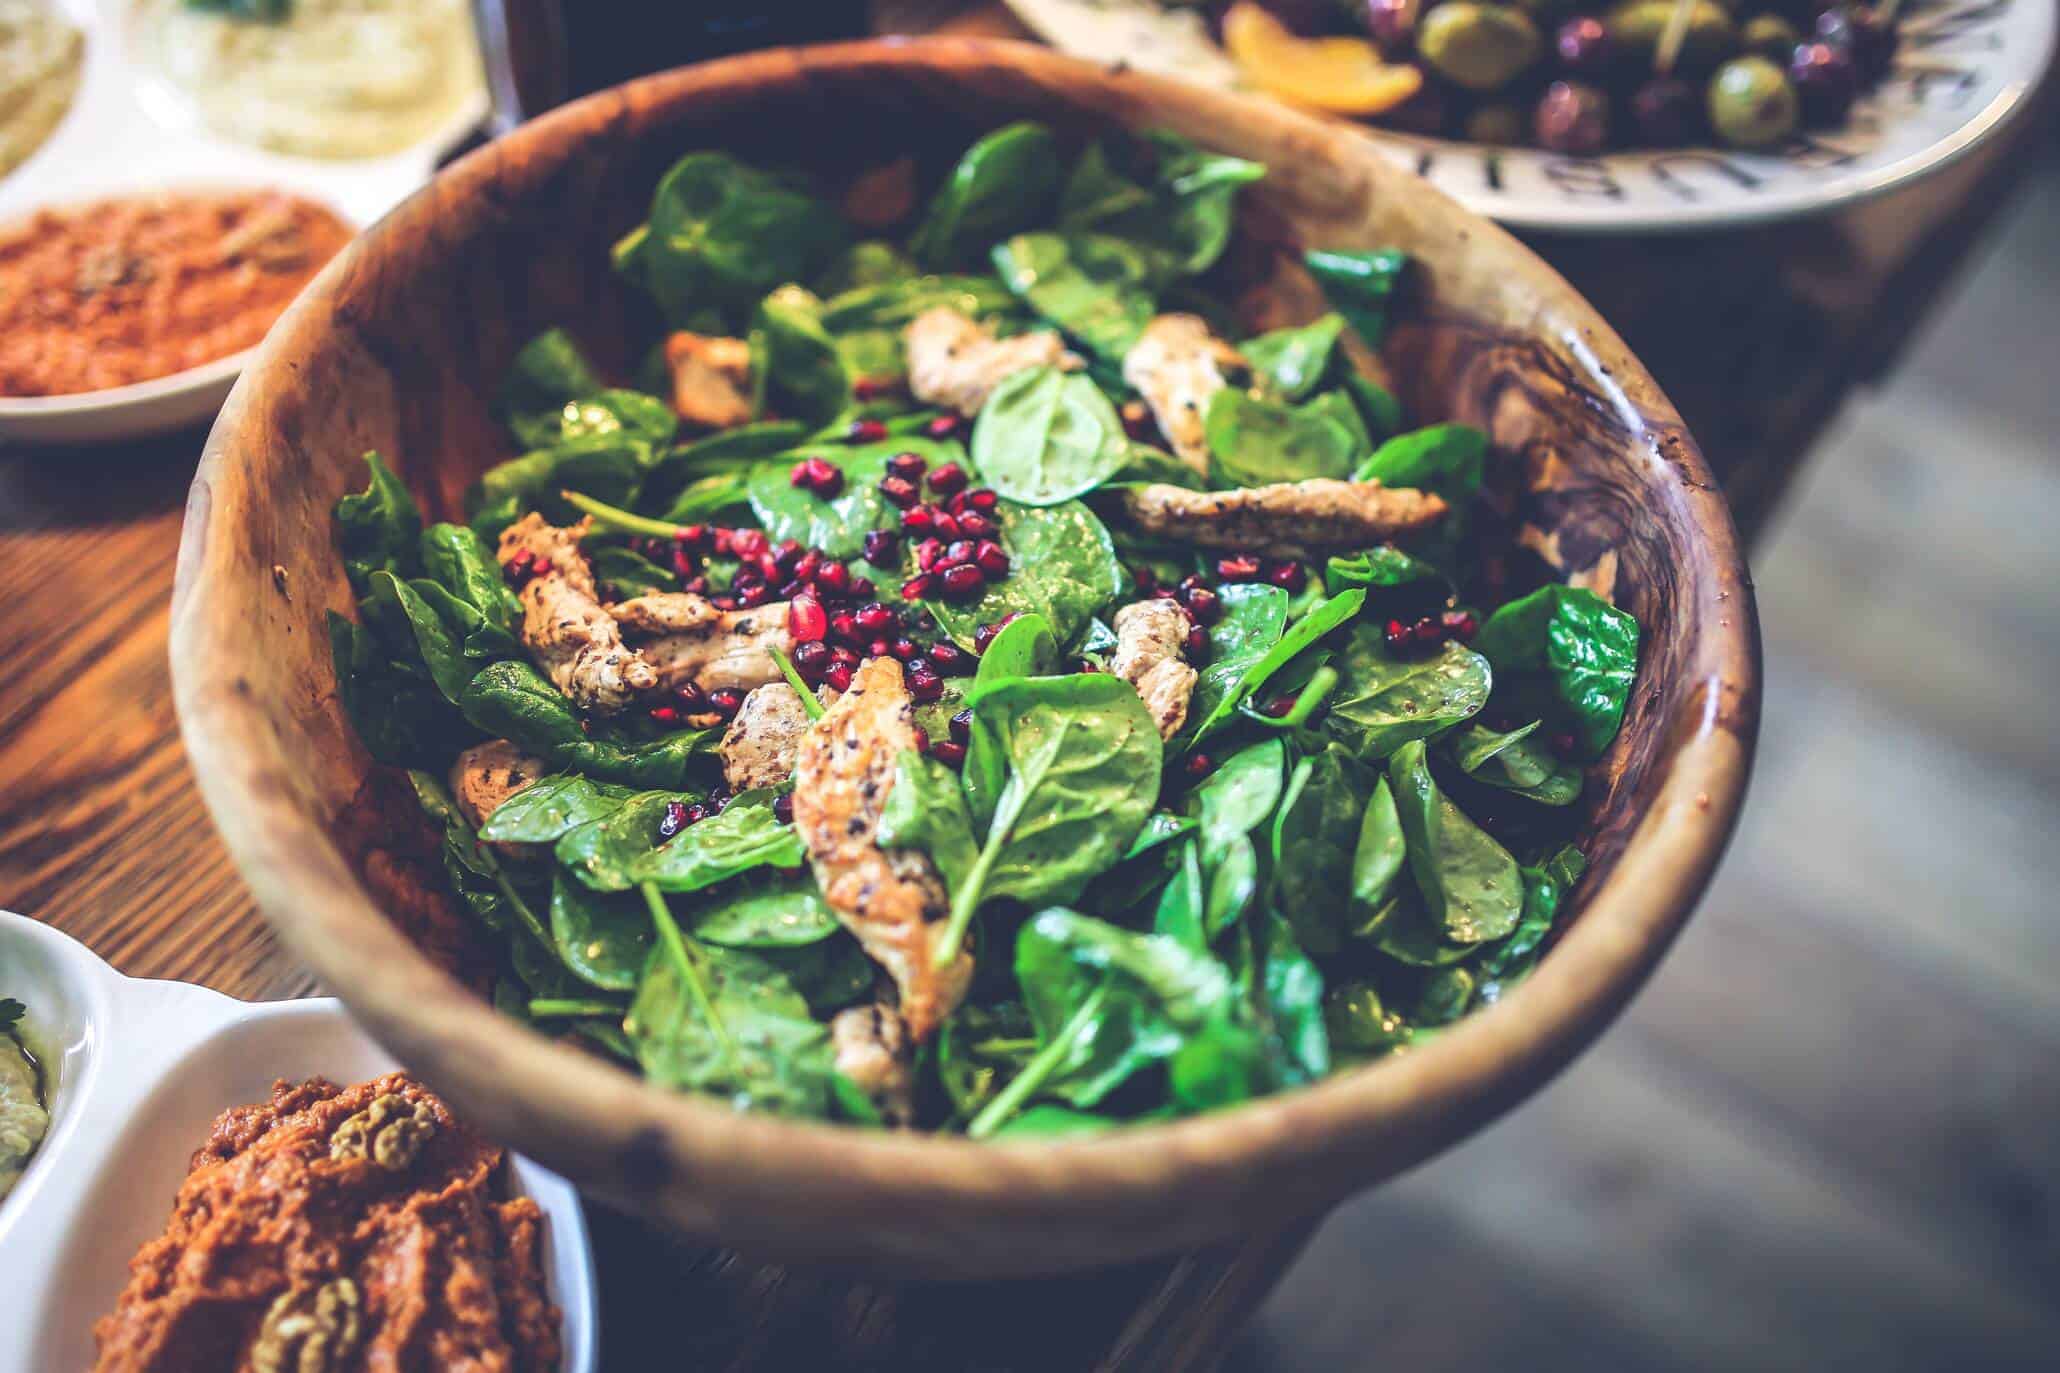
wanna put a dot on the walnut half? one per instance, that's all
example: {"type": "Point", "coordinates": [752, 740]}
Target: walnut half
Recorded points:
{"type": "Point", "coordinates": [310, 1330]}
{"type": "Point", "coordinates": [391, 1132]}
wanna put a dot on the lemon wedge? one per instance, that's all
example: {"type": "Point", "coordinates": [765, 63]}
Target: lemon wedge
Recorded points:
{"type": "Point", "coordinates": [1336, 75]}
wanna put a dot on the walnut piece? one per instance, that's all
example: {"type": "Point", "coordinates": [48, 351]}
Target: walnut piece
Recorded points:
{"type": "Point", "coordinates": [390, 1132]}
{"type": "Point", "coordinates": [310, 1329]}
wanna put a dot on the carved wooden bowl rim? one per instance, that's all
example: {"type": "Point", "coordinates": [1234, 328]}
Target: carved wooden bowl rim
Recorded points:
{"type": "Point", "coordinates": [906, 1203]}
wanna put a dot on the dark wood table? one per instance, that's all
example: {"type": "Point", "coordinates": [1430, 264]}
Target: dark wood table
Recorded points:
{"type": "Point", "coordinates": [1757, 335]}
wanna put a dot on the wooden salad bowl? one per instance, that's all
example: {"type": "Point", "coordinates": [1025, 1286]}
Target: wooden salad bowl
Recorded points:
{"type": "Point", "coordinates": [399, 346]}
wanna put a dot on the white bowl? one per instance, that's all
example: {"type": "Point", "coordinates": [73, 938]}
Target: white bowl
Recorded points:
{"type": "Point", "coordinates": [140, 1070]}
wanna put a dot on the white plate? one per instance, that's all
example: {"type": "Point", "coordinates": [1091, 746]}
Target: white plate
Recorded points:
{"type": "Point", "coordinates": [1965, 66]}
{"type": "Point", "coordinates": [141, 1070]}
{"type": "Point", "coordinates": [126, 134]}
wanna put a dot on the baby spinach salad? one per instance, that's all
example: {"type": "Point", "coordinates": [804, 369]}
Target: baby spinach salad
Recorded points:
{"type": "Point", "coordinates": [962, 680]}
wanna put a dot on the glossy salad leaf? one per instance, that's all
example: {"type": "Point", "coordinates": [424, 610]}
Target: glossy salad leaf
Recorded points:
{"type": "Point", "coordinates": [1237, 797]}
{"type": "Point", "coordinates": [721, 234]}
{"type": "Point", "coordinates": [1232, 885]}
{"type": "Point", "coordinates": [401, 718]}
{"type": "Point", "coordinates": [745, 836]}
{"type": "Point", "coordinates": [1101, 290]}
{"type": "Point", "coordinates": [1290, 996]}
{"type": "Point", "coordinates": [1024, 647]}
{"type": "Point", "coordinates": [512, 700]}
{"type": "Point", "coordinates": [1384, 701]}
{"type": "Point", "coordinates": [796, 367]}
{"type": "Point", "coordinates": [379, 527]}
{"type": "Point", "coordinates": [624, 572]}
{"type": "Point", "coordinates": [1584, 648]}
{"type": "Point", "coordinates": [1405, 930]}
{"type": "Point", "coordinates": [1469, 883]}
{"type": "Point", "coordinates": [477, 638]}
{"type": "Point", "coordinates": [1378, 408]}
{"type": "Point", "coordinates": [1293, 362]}
{"type": "Point", "coordinates": [1181, 204]}
{"type": "Point", "coordinates": [441, 651]}
{"type": "Point", "coordinates": [459, 560]}
{"type": "Point", "coordinates": [607, 467]}
{"type": "Point", "coordinates": [628, 414]}
{"type": "Point", "coordinates": [1503, 965]}
{"type": "Point", "coordinates": [1516, 761]}
{"type": "Point", "coordinates": [869, 262]}
{"type": "Point", "coordinates": [1380, 567]}
{"type": "Point", "coordinates": [1254, 442]}
{"type": "Point", "coordinates": [1358, 1025]}
{"type": "Point", "coordinates": [837, 526]}
{"type": "Point", "coordinates": [926, 810]}
{"type": "Point", "coordinates": [545, 811]}
{"type": "Point", "coordinates": [1254, 617]}
{"type": "Point", "coordinates": [1361, 285]}
{"type": "Point", "coordinates": [1315, 837]}
{"type": "Point", "coordinates": [1063, 567]}
{"type": "Point", "coordinates": [603, 937]}
{"type": "Point", "coordinates": [546, 372]}
{"type": "Point", "coordinates": [1443, 997]}
{"type": "Point", "coordinates": [1184, 903]}
{"type": "Point", "coordinates": [1048, 1121]}
{"type": "Point", "coordinates": [726, 453]}
{"type": "Point", "coordinates": [1047, 436]}
{"type": "Point", "coordinates": [1006, 181]}
{"type": "Point", "coordinates": [778, 911]}
{"type": "Point", "coordinates": [1449, 459]}
{"type": "Point", "coordinates": [607, 852]}
{"type": "Point", "coordinates": [1379, 853]}
{"type": "Point", "coordinates": [1321, 620]}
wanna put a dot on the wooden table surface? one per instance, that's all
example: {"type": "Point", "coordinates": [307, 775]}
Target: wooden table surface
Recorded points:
{"type": "Point", "coordinates": [1756, 335]}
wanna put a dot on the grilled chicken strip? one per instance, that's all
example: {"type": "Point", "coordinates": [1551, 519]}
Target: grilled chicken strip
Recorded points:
{"type": "Point", "coordinates": [711, 379]}
{"type": "Point", "coordinates": [573, 639]}
{"type": "Point", "coordinates": [956, 363]}
{"type": "Point", "coordinates": [1286, 520]}
{"type": "Point", "coordinates": [685, 639]}
{"type": "Point", "coordinates": [1150, 636]}
{"type": "Point", "coordinates": [891, 899]}
{"type": "Point", "coordinates": [758, 747]}
{"type": "Point", "coordinates": [1176, 365]}
{"type": "Point", "coordinates": [486, 775]}
{"type": "Point", "coordinates": [874, 1050]}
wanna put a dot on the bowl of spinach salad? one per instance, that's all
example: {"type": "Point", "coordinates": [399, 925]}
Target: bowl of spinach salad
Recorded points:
{"type": "Point", "coordinates": [1005, 681]}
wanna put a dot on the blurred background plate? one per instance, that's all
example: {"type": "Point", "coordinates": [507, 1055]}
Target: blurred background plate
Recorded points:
{"type": "Point", "coordinates": [1964, 68]}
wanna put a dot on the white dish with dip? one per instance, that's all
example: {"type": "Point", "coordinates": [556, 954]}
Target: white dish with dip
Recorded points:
{"type": "Point", "coordinates": [137, 1073]}
{"type": "Point", "coordinates": [131, 129]}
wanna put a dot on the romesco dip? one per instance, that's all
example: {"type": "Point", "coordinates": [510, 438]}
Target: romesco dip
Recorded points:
{"type": "Point", "coordinates": [333, 1230]}
{"type": "Point", "coordinates": [140, 287]}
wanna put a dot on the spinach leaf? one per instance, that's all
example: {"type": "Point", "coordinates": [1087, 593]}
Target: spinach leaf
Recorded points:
{"type": "Point", "coordinates": [1294, 361]}
{"type": "Point", "coordinates": [1405, 930]}
{"type": "Point", "coordinates": [1443, 997]}
{"type": "Point", "coordinates": [1449, 459]}
{"type": "Point", "coordinates": [402, 720]}
{"type": "Point", "coordinates": [1101, 290]}
{"type": "Point", "coordinates": [978, 1048]}
{"type": "Point", "coordinates": [378, 527]}
{"type": "Point", "coordinates": [1325, 617]}
{"type": "Point", "coordinates": [441, 652]}
{"type": "Point", "coordinates": [1003, 183]}
{"type": "Point", "coordinates": [1237, 797]}
{"type": "Point", "coordinates": [1046, 436]}
{"type": "Point", "coordinates": [460, 560]}
{"type": "Point", "coordinates": [926, 810]}
{"type": "Point", "coordinates": [485, 887]}
{"type": "Point", "coordinates": [1143, 464]}
{"type": "Point", "coordinates": [1063, 567]}
{"type": "Point", "coordinates": [796, 367]}
{"type": "Point", "coordinates": [626, 572]}
{"type": "Point", "coordinates": [607, 467]}
{"type": "Point", "coordinates": [1469, 883]}
{"type": "Point", "coordinates": [830, 974]}
{"type": "Point", "coordinates": [1233, 880]}
{"type": "Point", "coordinates": [603, 937]}
{"type": "Point", "coordinates": [891, 305]}
{"type": "Point", "coordinates": [725, 453]}
{"type": "Point", "coordinates": [1516, 762]}
{"type": "Point", "coordinates": [1379, 853]}
{"type": "Point", "coordinates": [777, 913]}
{"type": "Point", "coordinates": [1337, 407]}
{"type": "Point", "coordinates": [476, 637]}
{"type": "Point", "coordinates": [1024, 647]}
{"type": "Point", "coordinates": [1381, 566]}
{"type": "Point", "coordinates": [1501, 966]}
{"type": "Point", "coordinates": [546, 373]}
{"type": "Point", "coordinates": [629, 414]}
{"type": "Point", "coordinates": [543, 812]}
{"type": "Point", "coordinates": [869, 262]}
{"type": "Point", "coordinates": [607, 852]}
{"type": "Point", "coordinates": [1254, 442]}
{"type": "Point", "coordinates": [838, 526]}
{"type": "Point", "coordinates": [1362, 285]}
{"type": "Point", "coordinates": [1358, 1025]}
{"type": "Point", "coordinates": [1048, 1121]}
{"type": "Point", "coordinates": [1378, 408]}
{"type": "Point", "coordinates": [1184, 212]}
{"type": "Point", "coordinates": [1083, 773]}
{"type": "Point", "coordinates": [664, 763]}
{"type": "Point", "coordinates": [512, 700]}
{"type": "Point", "coordinates": [744, 836]}
{"type": "Point", "coordinates": [721, 234]}
{"type": "Point", "coordinates": [1315, 837]}
{"type": "Point", "coordinates": [1585, 648]}
{"type": "Point", "coordinates": [1254, 617]}
{"type": "Point", "coordinates": [1182, 904]}
{"type": "Point", "coordinates": [1291, 1003]}
{"type": "Point", "coordinates": [1385, 701]}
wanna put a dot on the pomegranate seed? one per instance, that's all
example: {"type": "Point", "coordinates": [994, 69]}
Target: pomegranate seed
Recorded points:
{"type": "Point", "coordinates": [682, 562]}
{"type": "Point", "coordinates": [665, 715]}
{"type": "Point", "coordinates": [783, 808]}
{"type": "Point", "coordinates": [984, 499]}
{"type": "Point", "coordinates": [919, 520]}
{"type": "Point", "coordinates": [988, 557]}
{"type": "Point", "coordinates": [833, 579]}
{"type": "Point", "coordinates": [838, 678]}
{"type": "Point", "coordinates": [975, 525]}
{"type": "Point", "coordinates": [725, 700]}
{"type": "Point", "coordinates": [749, 544]}
{"type": "Point", "coordinates": [963, 582]}
{"type": "Point", "coordinates": [818, 475]}
{"type": "Point", "coordinates": [1428, 630]}
{"type": "Point", "coordinates": [769, 569]}
{"type": "Point", "coordinates": [692, 700]}
{"type": "Point", "coordinates": [944, 426]}
{"type": "Point", "coordinates": [1143, 578]}
{"type": "Point", "coordinates": [958, 504]}
{"type": "Point", "coordinates": [908, 466]}
{"type": "Point", "coordinates": [1396, 635]}
{"type": "Point", "coordinates": [1460, 624]}
{"type": "Point", "coordinates": [694, 814]}
{"type": "Point", "coordinates": [882, 547]}
{"type": "Point", "coordinates": [752, 597]}
{"type": "Point", "coordinates": [866, 431]}
{"type": "Point", "coordinates": [949, 659]}
{"type": "Point", "coordinates": [1197, 765]}
{"type": "Point", "coordinates": [804, 570]}
{"type": "Point", "coordinates": [929, 553]}
{"type": "Point", "coordinates": [844, 628]}
{"type": "Point", "coordinates": [787, 556]}
{"type": "Point", "coordinates": [983, 635]}
{"type": "Point", "coordinates": [904, 649]}
{"type": "Point", "coordinates": [943, 525]}
{"type": "Point", "coordinates": [843, 655]}
{"type": "Point", "coordinates": [923, 684]}
{"type": "Point", "coordinates": [1087, 665]}
{"type": "Point", "coordinates": [723, 602]}
{"type": "Point", "coordinates": [1239, 567]}
{"type": "Point", "coordinates": [874, 618]}
{"type": "Point", "coordinates": [879, 648]}
{"type": "Point", "coordinates": [789, 590]}
{"type": "Point", "coordinates": [1197, 643]}
{"type": "Point", "coordinates": [949, 753]}
{"type": "Point", "coordinates": [1164, 593]}
{"type": "Point", "coordinates": [899, 491]}
{"type": "Point", "coordinates": [721, 540]}
{"type": "Point", "coordinates": [1278, 706]}
{"type": "Point", "coordinates": [1289, 576]}
{"type": "Point", "coordinates": [962, 726]}
{"type": "Point", "coordinates": [960, 551]}
{"type": "Point", "coordinates": [922, 739]}
{"type": "Point", "coordinates": [695, 586]}
{"type": "Point", "coordinates": [675, 819]}
{"type": "Point", "coordinates": [862, 589]}
{"type": "Point", "coordinates": [691, 535]}
{"type": "Point", "coordinates": [812, 656]}
{"type": "Point", "coordinates": [806, 620]}
{"type": "Point", "coordinates": [949, 479]}
{"type": "Point", "coordinates": [920, 587]}
{"type": "Point", "coordinates": [1204, 604]}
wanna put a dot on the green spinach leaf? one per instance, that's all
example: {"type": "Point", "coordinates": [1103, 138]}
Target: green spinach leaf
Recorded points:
{"type": "Point", "coordinates": [1063, 567]}
{"type": "Point", "coordinates": [545, 811]}
{"type": "Point", "coordinates": [1469, 883]}
{"type": "Point", "coordinates": [926, 810]}
{"type": "Point", "coordinates": [1254, 442]}
{"type": "Point", "coordinates": [1449, 459]}
{"type": "Point", "coordinates": [1385, 701]}
{"type": "Point", "coordinates": [721, 234]}
{"type": "Point", "coordinates": [1379, 853]}
{"type": "Point", "coordinates": [1101, 290]}
{"type": "Point", "coordinates": [1293, 362]}
{"type": "Point", "coordinates": [379, 527]}
{"type": "Point", "coordinates": [1183, 210]}
{"type": "Point", "coordinates": [1046, 436]}
{"type": "Point", "coordinates": [1584, 647]}
{"type": "Point", "coordinates": [746, 835]}
{"type": "Point", "coordinates": [1515, 761]}
{"type": "Point", "coordinates": [1321, 620]}
{"type": "Point", "coordinates": [460, 560]}
{"type": "Point", "coordinates": [603, 937]}
{"type": "Point", "coordinates": [1362, 285]}
{"type": "Point", "coordinates": [796, 367]}
{"type": "Point", "coordinates": [777, 912]}
{"type": "Point", "coordinates": [547, 372]}
{"type": "Point", "coordinates": [1315, 838]}
{"type": "Point", "coordinates": [1005, 182]}
{"type": "Point", "coordinates": [838, 526]}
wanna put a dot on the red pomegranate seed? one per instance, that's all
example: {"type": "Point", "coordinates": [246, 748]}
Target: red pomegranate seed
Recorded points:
{"type": "Point", "coordinates": [949, 479]}
{"type": "Point", "coordinates": [1428, 630]}
{"type": "Point", "coordinates": [691, 698]}
{"type": "Point", "coordinates": [988, 557]}
{"type": "Point", "coordinates": [1278, 706]}
{"type": "Point", "coordinates": [983, 635]}
{"type": "Point", "coordinates": [844, 655]}
{"type": "Point", "coordinates": [692, 535]}
{"type": "Point", "coordinates": [984, 499]}
{"type": "Point", "coordinates": [949, 752]}
{"type": "Point", "coordinates": [874, 618]}
{"type": "Point", "coordinates": [923, 684]}
{"type": "Point", "coordinates": [675, 819]}
{"type": "Point", "coordinates": [789, 590]}
{"type": "Point", "coordinates": [769, 569]}
{"type": "Point", "coordinates": [899, 491]}
{"type": "Point", "coordinates": [962, 726]}
{"type": "Point", "coordinates": [882, 547]}
{"type": "Point", "coordinates": [695, 586]}
{"type": "Point", "coordinates": [694, 814]}
{"type": "Point", "coordinates": [919, 520]}
{"type": "Point", "coordinates": [962, 582]}
{"type": "Point", "coordinates": [949, 659]}
{"type": "Point", "coordinates": [920, 587]}
{"type": "Point", "coordinates": [838, 678]}
{"type": "Point", "coordinates": [975, 525]}
{"type": "Point", "coordinates": [866, 431]}
{"type": "Point", "coordinates": [806, 620]}
{"type": "Point", "coordinates": [749, 544]}
{"type": "Point", "coordinates": [752, 597]}
{"type": "Point", "coordinates": [1460, 624]}
{"type": "Point", "coordinates": [922, 739]}
{"type": "Point", "coordinates": [1238, 567]}
{"type": "Point", "coordinates": [1396, 636]}
{"type": "Point", "coordinates": [723, 602]}
{"type": "Point", "coordinates": [804, 570]}
{"type": "Point", "coordinates": [725, 700]}
{"type": "Point", "coordinates": [783, 808]}
{"type": "Point", "coordinates": [1197, 643]}
{"type": "Point", "coordinates": [944, 426]}
{"type": "Point", "coordinates": [811, 657]}
{"type": "Point", "coordinates": [833, 579]}
{"type": "Point", "coordinates": [1289, 576]}
{"type": "Point", "coordinates": [959, 551]}
{"type": "Point", "coordinates": [682, 561]}
{"type": "Point", "coordinates": [788, 554]}
{"type": "Point", "coordinates": [862, 589]}
{"type": "Point", "coordinates": [904, 649]}
{"type": "Point", "coordinates": [1204, 604]}
{"type": "Point", "coordinates": [1088, 665]}
{"type": "Point", "coordinates": [929, 553]}
{"type": "Point", "coordinates": [721, 540]}
{"type": "Point", "coordinates": [878, 648]}
{"type": "Point", "coordinates": [844, 628]}
{"type": "Point", "coordinates": [1197, 765]}
{"type": "Point", "coordinates": [908, 466]}
{"type": "Point", "coordinates": [665, 715]}
{"type": "Point", "coordinates": [872, 388]}
{"type": "Point", "coordinates": [818, 475]}
{"type": "Point", "coordinates": [944, 526]}
{"type": "Point", "coordinates": [1143, 578]}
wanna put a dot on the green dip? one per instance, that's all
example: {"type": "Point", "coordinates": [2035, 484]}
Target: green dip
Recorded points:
{"type": "Point", "coordinates": [23, 1120]}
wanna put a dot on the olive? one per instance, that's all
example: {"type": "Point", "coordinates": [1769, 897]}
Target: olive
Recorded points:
{"type": "Point", "coordinates": [1825, 82]}
{"type": "Point", "coordinates": [1572, 118]}
{"type": "Point", "coordinates": [1500, 125]}
{"type": "Point", "coordinates": [1771, 36]}
{"type": "Point", "coordinates": [1863, 33]}
{"type": "Point", "coordinates": [1477, 46]}
{"type": "Point", "coordinates": [1392, 24]}
{"type": "Point", "coordinates": [1751, 103]}
{"type": "Point", "coordinates": [1583, 46]}
{"type": "Point", "coordinates": [1666, 112]}
{"type": "Point", "coordinates": [1637, 25]}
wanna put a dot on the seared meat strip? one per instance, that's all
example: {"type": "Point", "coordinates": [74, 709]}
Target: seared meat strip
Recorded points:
{"type": "Point", "coordinates": [711, 379]}
{"type": "Point", "coordinates": [891, 899]}
{"type": "Point", "coordinates": [573, 639]}
{"type": "Point", "coordinates": [685, 639]}
{"type": "Point", "coordinates": [875, 1051]}
{"type": "Point", "coordinates": [956, 363]}
{"type": "Point", "coordinates": [758, 747]}
{"type": "Point", "coordinates": [1150, 636]}
{"type": "Point", "coordinates": [485, 775]}
{"type": "Point", "coordinates": [1286, 520]}
{"type": "Point", "coordinates": [1176, 365]}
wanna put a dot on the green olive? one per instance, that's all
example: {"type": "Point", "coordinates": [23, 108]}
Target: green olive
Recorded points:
{"type": "Point", "coordinates": [1752, 103]}
{"type": "Point", "coordinates": [1501, 125]}
{"type": "Point", "coordinates": [1479, 47]}
{"type": "Point", "coordinates": [1771, 36]}
{"type": "Point", "coordinates": [1711, 38]}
